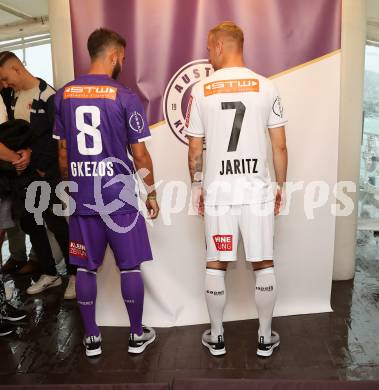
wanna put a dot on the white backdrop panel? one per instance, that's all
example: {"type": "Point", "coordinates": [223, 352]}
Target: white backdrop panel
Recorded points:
{"type": "Point", "coordinates": [303, 248]}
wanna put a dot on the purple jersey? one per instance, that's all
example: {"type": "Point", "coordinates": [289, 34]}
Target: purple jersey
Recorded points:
{"type": "Point", "coordinates": [99, 119]}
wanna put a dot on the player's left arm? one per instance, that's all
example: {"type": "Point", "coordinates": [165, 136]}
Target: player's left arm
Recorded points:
{"type": "Point", "coordinates": [62, 158]}
{"type": "Point", "coordinates": [144, 167]}
{"type": "Point", "coordinates": [195, 158]}
{"type": "Point", "coordinates": [195, 165]}
{"type": "Point", "coordinates": [59, 133]}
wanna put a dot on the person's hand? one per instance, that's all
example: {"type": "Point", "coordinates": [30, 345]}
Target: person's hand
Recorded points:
{"type": "Point", "coordinates": [198, 198]}
{"type": "Point", "coordinates": [22, 163]}
{"type": "Point", "coordinates": [152, 207]}
{"type": "Point", "coordinates": [279, 200]}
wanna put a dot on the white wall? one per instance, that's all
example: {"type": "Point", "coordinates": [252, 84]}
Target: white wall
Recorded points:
{"type": "Point", "coordinates": [61, 41]}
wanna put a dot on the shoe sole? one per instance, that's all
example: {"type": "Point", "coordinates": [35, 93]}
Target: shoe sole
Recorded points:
{"type": "Point", "coordinates": [137, 350]}
{"type": "Point", "coordinates": [54, 284]}
{"type": "Point", "coordinates": [93, 352]}
{"type": "Point", "coordinates": [268, 353]}
{"type": "Point", "coordinates": [214, 352]}
{"type": "Point", "coordinates": [15, 318]}
{"type": "Point", "coordinates": [6, 333]}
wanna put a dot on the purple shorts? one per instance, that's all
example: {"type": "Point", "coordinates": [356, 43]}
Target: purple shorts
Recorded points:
{"type": "Point", "coordinates": [126, 234]}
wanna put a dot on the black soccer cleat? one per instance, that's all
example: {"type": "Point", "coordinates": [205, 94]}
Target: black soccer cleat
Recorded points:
{"type": "Point", "coordinates": [216, 345]}
{"type": "Point", "coordinates": [137, 344]}
{"type": "Point", "coordinates": [266, 349]}
{"type": "Point", "coordinates": [13, 314]}
{"type": "Point", "coordinates": [92, 345]}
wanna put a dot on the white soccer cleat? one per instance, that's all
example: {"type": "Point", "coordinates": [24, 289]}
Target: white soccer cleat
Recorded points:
{"type": "Point", "coordinates": [43, 283]}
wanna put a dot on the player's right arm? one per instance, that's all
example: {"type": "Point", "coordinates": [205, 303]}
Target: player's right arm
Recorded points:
{"type": "Point", "coordinates": [276, 123]}
{"type": "Point", "coordinates": [280, 159]}
{"type": "Point", "coordinates": [144, 166]}
{"type": "Point", "coordinates": [195, 133]}
{"type": "Point", "coordinates": [138, 131]}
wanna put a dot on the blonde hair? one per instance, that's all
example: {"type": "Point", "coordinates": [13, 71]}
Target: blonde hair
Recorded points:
{"type": "Point", "coordinates": [229, 29]}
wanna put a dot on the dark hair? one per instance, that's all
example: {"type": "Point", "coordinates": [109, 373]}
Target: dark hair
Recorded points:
{"type": "Point", "coordinates": [6, 56]}
{"type": "Point", "coordinates": [102, 38]}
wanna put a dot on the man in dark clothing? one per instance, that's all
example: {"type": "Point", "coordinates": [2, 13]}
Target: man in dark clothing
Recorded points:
{"type": "Point", "coordinates": [18, 262]}
{"type": "Point", "coordinates": [32, 99]}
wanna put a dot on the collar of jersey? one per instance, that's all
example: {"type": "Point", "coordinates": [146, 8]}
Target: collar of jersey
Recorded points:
{"type": "Point", "coordinates": [231, 67]}
{"type": "Point", "coordinates": [96, 75]}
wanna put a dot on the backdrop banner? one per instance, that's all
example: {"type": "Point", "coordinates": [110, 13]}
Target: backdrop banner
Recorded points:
{"type": "Point", "coordinates": [298, 43]}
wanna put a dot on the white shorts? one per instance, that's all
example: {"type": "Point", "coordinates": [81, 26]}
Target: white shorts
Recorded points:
{"type": "Point", "coordinates": [222, 227]}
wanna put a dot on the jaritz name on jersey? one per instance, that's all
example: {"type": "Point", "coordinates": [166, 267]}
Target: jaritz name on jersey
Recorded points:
{"type": "Point", "coordinates": [238, 167]}
{"type": "Point", "coordinates": [91, 168]}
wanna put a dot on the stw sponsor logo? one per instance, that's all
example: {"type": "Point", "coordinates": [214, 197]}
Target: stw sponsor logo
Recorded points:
{"type": "Point", "coordinates": [223, 242]}
{"type": "Point", "coordinates": [231, 86]}
{"type": "Point", "coordinates": [90, 92]}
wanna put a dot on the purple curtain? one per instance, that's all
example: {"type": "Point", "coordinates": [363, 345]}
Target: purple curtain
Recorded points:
{"type": "Point", "coordinates": [163, 35]}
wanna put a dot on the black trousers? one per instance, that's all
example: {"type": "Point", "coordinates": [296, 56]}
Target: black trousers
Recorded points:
{"type": "Point", "coordinates": [40, 242]}
{"type": "Point", "coordinates": [3, 300]}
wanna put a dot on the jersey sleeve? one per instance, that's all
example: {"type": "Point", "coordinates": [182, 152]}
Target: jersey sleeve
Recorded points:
{"type": "Point", "coordinates": [277, 116]}
{"type": "Point", "coordinates": [136, 122]}
{"type": "Point", "coordinates": [193, 125]}
{"type": "Point", "coordinates": [58, 130]}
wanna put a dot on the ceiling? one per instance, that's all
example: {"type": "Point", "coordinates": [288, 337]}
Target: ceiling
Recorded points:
{"type": "Point", "coordinates": [19, 18]}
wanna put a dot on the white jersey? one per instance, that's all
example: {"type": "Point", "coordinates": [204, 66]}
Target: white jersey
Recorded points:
{"type": "Point", "coordinates": [232, 109]}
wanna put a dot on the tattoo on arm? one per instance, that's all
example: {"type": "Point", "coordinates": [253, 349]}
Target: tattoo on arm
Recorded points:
{"type": "Point", "coordinates": [195, 163]}
{"type": "Point", "coordinates": [64, 173]}
{"type": "Point", "coordinates": [63, 165]}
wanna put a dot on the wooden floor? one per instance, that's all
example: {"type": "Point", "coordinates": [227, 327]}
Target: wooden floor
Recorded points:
{"type": "Point", "coordinates": [340, 345]}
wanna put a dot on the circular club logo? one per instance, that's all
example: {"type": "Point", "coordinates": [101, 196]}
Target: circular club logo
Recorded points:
{"type": "Point", "coordinates": [136, 122]}
{"type": "Point", "coordinates": [178, 92]}
{"type": "Point", "coordinates": [277, 107]}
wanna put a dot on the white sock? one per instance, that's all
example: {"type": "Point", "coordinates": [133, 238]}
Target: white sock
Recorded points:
{"type": "Point", "coordinates": [216, 297]}
{"type": "Point", "coordinates": [265, 298]}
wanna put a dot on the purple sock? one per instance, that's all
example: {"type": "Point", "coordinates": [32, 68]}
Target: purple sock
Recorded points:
{"type": "Point", "coordinates": [133, 292]}
{"type": "Point", "coordinates": [86, 291]}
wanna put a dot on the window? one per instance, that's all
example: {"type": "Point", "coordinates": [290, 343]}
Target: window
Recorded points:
{"type": "Point", "coordinates": [35, 52]}
{"type": "Point", "coordinates": [368, 208]}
